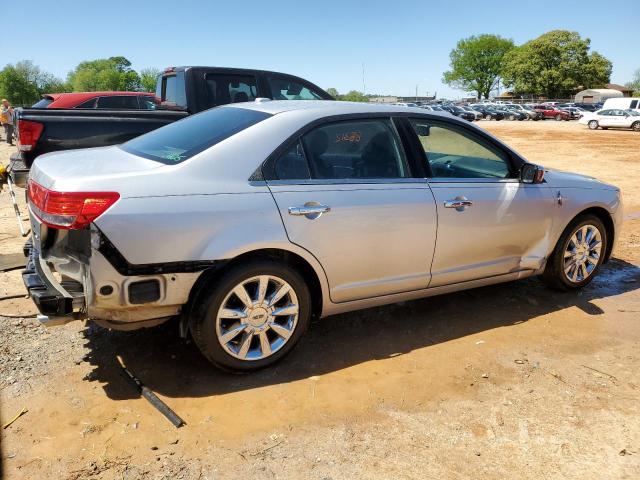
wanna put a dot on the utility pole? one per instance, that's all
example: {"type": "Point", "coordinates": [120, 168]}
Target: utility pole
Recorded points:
{"type": "Point", "coordinates": [364, 85]}
{"type": "Point", "coordinates": [416, 92]}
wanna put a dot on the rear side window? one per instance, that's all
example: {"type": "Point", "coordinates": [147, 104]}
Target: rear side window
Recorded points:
{"type": "Point", "coordinates": [172, 90]}
{"type": "Point", "coordinates": [354, 150]}
{"type": "Point", "coordinates": [88, 104]}
{"type": "Point", "coordinates": [119, 102]}
{"type": "Point", "coordinates": [225, 89]}
{"type": "Point", "coordinates": [45, 102]}
{"type": "Point", "coordinates": [283, 88]}
{"type": "Point", "coordinates": [147, 103]}
{"type": "Point", "coordinates": [176, 142]}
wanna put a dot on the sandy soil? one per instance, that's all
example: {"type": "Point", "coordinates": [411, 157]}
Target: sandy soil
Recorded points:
{"type": "Point", "coordinates": [509, 381]}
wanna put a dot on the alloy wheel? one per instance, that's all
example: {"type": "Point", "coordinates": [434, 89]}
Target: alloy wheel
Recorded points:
{"type": "Point", "coordinates": [582, 253]}
{"type": "Point", "coordinates": [257, 317]}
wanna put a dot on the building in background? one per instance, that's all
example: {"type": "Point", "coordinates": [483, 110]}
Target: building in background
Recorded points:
{"type": "Point", "coordinates": [597, 95]}
{"type": "Point", "coordinates": [626, 91]}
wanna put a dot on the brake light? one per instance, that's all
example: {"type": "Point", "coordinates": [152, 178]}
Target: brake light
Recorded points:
{"type": "Point", "coordinates": [28, 134]}
{"type": "Point", "coordinates": [68, 210]}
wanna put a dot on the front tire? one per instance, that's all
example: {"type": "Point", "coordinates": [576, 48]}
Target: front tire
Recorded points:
{"type": "Point", "coordinates": [636, 126]}
{"type": "Point", "coordinates": [578, 255]}
{"type": "Point", "coordinates": [252, 316]}
{"type": "Point", "coordinates": [593, 125]}
{"type": "Point", "coordinates": [558, 118]}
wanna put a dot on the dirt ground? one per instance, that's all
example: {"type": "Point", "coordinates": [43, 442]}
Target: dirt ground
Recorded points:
{"type": "Point", "coordinates": [508, 381]}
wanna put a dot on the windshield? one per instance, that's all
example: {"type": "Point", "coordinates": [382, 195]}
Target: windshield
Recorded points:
{"type": "Point", "coordinates": [181, 140]}
{"type": "Point", "coordinates": [633, 112]}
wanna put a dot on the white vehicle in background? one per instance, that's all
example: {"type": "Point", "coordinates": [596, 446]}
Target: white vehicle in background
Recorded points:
{"type": "Point", "coordinates": [626, 103]}
{"type": "Point", "coordinates": [612, 118]}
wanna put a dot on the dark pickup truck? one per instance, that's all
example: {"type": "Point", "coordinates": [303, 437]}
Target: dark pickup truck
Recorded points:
{"type": "Point", "coordinates": [182, 91]}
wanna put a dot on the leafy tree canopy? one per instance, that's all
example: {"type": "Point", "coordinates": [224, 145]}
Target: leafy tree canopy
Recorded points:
{"type": "Point", "coordinates": [114, 73]}
{"type": "Point", "coordinates": [476, 63]}
{"type": "Point", "coordinates": [148, 77]}
{"type": "Point", "coordinates": [24, 83]}
{"type": "Point", "coordinates": [350, 96]}
{"type": "Point", "coordinates": [555, 64]}
{"type": "Point", "coordinates": [635, 83]}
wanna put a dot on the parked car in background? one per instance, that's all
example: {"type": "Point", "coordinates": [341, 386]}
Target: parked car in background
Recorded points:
{"type": "Point", "coordinates": [249, 199]}
{"type": "Point", "coordinates": [590, 107]}
{"type": "Point", "coordinates": [528, 111]}
{"type": "Point", "coordinates": [182, 91]}
{"type": "Point", "coordinates": [488, 112]}
{"type": "Point", "coordinates": [552, 112]}
{"type": "Point", "coordinates": [99, 100]}
{"type": "Point", "coordinates": [477, 115]}
{"type": "Point", "coordinates": [612, 118]}
{"type": "Point", "coordinates": [625, 103]}
{"type": "Point", "coordinates": [575, 112]}
{"type": "Point", "coordinates": [512, 113]}
{"type": "Point", "coordinates": [460, 112]}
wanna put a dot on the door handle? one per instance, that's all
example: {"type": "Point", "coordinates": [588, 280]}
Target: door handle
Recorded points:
{"type": "Point", "coordinates": [311, 210]}
{"type": "Point", "coordinates": [459, 203]}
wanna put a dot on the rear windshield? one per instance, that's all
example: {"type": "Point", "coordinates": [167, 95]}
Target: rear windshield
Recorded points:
{"type": "Point", "coordinates": [183, 139]}
{"type": "Point", "coordinates": [44, 103]}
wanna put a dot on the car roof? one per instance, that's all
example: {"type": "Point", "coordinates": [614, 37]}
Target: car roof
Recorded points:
{"type": "Point", "coordinates": [326, 108]}
{"type": "Point", "coordinates": [74, 99]}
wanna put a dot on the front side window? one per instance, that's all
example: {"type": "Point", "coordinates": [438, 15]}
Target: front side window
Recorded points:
{"type": "Point", "coordinates": [283, 88]}
{"type": "Point", "coordinates": [355, 150]}
{"type": "Point", "coordinates": [178, 141]}
{"type": "Point", "coordinates": [455, 153]}
{"type": "Point", "coordinates": [223, 89]}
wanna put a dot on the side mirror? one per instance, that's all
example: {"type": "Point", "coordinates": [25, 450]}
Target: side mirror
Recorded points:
{"type": "Point", "coordinates": [531, 173]}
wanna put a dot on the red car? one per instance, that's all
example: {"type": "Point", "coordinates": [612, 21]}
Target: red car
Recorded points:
{"type": "Point", "coordinates": [103, 100]}
{"type": "Point", "coordinates": [549, 111]}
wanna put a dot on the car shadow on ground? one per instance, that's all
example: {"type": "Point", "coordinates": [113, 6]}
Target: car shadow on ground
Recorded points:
{"type": "Point", "coordinates": [173, 367]}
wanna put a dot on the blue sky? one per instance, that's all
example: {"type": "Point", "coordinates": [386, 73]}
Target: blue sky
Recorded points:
{"type": "Point", "coordinates": [401, 43]}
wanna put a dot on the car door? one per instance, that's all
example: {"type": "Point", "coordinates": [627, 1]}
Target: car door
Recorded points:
{"type": "Point", "coordinates": [489, 223]}
{"type": "Point", "coordinates": [605, 118]}
{"type": "Point", "coordinates": [346, 194]}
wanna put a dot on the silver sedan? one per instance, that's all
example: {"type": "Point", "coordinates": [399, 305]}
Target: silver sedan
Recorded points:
{"type": "Point", "coordinates": [248, 220]}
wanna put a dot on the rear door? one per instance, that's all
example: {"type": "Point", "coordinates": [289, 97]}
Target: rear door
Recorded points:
{"type": "Point", "coordinates": [346, 194]}
{"type": "Point", "coordinates": [489, 223]}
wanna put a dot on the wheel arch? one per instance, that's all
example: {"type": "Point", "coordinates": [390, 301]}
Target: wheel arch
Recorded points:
{"type": "Point", "coordinates": [297, 262]}
{"type": "Point", "coordinates": [606, 218]}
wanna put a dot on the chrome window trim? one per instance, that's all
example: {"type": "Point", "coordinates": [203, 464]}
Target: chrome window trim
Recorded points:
{"type": "Point", "coordinates": [471, 180]}
{"type": "Point", "coordinates": [343, 181]}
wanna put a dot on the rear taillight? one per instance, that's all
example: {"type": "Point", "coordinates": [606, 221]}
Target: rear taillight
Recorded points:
{"type": "Point", "coordinates": [68, 210]}
{"type": "Point", "coordinates": [28, 134]}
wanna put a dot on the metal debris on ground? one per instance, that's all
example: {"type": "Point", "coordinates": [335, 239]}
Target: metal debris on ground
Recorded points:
{"type": "Point", "coordinates": [18, 415]}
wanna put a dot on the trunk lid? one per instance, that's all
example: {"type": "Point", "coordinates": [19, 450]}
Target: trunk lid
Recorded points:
{"type": "Point", "coordinates": [64, 171]}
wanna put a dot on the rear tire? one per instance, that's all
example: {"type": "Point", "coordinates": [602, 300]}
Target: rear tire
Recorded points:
{"type": "Point", "coordinates": [489, 117]}
{"type": "Point", "coordinates": [593, 125]}
{"type": "Point", "coordinates": [264, 332]}
{"type": "Point", "coordinates": [583, 239]}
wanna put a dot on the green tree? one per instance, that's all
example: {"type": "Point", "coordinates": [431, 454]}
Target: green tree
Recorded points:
{"type": "Point", "coordinates": [555, 64]}
{"type": "Point", "coordinates": [148, 79]}
{"type": "Point", "coordinates": [476, 63]}
{"type": "Point", "coordinates": [353, 96]}
{"type": "Point", "coordinates": [114, 73]}
{"type": "Point", "coordinates": [333, 92]}
{"type": "Point", "coordinates": [24, 83]}
{"type": "Point", "coordinates": [635, 83]}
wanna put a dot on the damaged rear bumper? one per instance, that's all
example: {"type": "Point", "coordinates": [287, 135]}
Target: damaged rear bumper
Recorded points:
{"type": "Point", "coordinates": [58, 302]}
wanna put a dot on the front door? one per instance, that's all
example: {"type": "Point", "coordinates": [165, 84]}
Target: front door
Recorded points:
{"type": "Point", "coordinates": [345, 194]}
{"type": "Point", "coordinates": [488, 222]}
